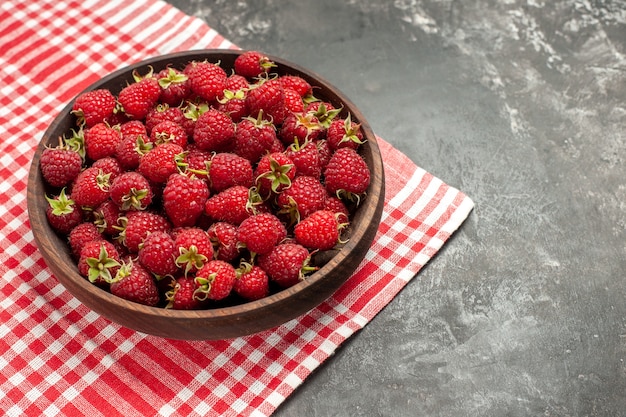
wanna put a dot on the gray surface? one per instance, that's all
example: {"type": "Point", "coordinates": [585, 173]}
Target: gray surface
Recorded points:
{"type": "Point", "coordinates": [522, 105]}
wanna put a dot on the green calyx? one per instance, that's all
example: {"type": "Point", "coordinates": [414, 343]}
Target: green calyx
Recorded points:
{"type": "Point", "coordinates": [351, 131]}
{"type": "Point", "coordinates": [100, 267]}
{"type": "Point", "coordinates": [324, 115]}
{"type": "Point", "coordinates": [173, 77]}
{"type": "Point", "coordinates": [61, 205]}
{"type": "Point", "coordinates": [190, 258]}
{"type": "Point", "coordinates": [204, 286]}
{"type": "Point", "coordinates": [277, 175]}
{"type": "Point", "coordinates": [134, 199]}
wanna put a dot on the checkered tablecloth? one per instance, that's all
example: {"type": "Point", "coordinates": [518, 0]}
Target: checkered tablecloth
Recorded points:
{"type": "Point", "coordinates": [59, 358]}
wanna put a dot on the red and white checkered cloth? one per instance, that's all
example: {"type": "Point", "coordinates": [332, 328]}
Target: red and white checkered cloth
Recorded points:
{"type": "Point", "coordinates": [59, 358]}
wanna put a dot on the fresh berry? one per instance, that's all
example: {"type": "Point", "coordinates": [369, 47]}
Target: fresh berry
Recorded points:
{"type": "Point", "coordinates": [252, 64]}
{"type": "Point", "coordinates": [300, 127]}
{"type": "Point", "coordinates": [215, 280]}
{"type": "Point", "coordinates": [105, 217]}
{"type": "Point", "coordinates": [99, 261]}
{"type": "Point", "coordinates": [252, 282]}
{"type": "Point", "coordinates": [133, 282]}
{"type": "Point", "coordinates": [82, 234]}
{"type": "Point", "coordinates": [109, 166]}
{"type": "Point", "coordinates": [268, 97]}
{"type": "Point", "coordinates": [223, 236]}
{"type": "Point", "coordinates": [207, 80]}
{"type": "Point", "coordinates": [91, 187]}
{"type": "Point", "coordinates": [161, 162]}
{"type": "Point", "coordinates": [305, 196]}
{"type": "Point", "coordinates": [131, 149]}
{"type": "Point", "coordinates": [274, 172]}
{"type": "Point", "coordinates": [133, 128]}
{"type": "Point", "coordinates": [94, 106]}
{"type": "Point", "coordinates": [182, 296]}
{"type": "Point", "coordinates": [297, 84]}
{"type": "Point", "coordinates": [233, 103]}
{"type": "Point", "coordinates": [347, 174]}
{"type": "Point", "coordinates": [306, 158]}
{"type": "Point", "coordinates": [158, 252]}
{"type": "Point", "coordinates": [169, 131]}
{"type": "Point", "coordinates": [175, 86]}
{"type": "Point", "coordinates": [319, 231]}
{"type": "Point", "coordinates": [324, 111]}
{"type": "Point", "coordinates": [261, 232]}
{"type": "Point", "coordinates": [62, 213]}
{"type": "Point", "coordinates": [344, 133]}
{"type": "Point", "coordinates": [287, 264]}
{"type": "Point", "coordinates": [214, 131]}
{"type": "Point", "coordinates": [140, 96]}
{"type": "Point", "coordinates": [293, 101]}
{"type": "Point", "coordinates": [163, 113]}
{"type": "Point", "coordinates": [184, 197]}
{"type": "Point", "coordinates": [254, 138]}
{"type": "Point", "coordinates": [136, 225]}
{"type": "Point", "coordinates": [227, 169]}
{"type": "Point", "coordinates": [131, 191]}
{"type": "Point", "coordinates": [101, 141]}
{"type": "Point", "coordinates": [60, 166]}
{"type": "Point", "coordinates": [233, 205]}
{"type": "Point", "coordinates": [193, 248]}
{"type": "Point", "coordinates": [337, 206]}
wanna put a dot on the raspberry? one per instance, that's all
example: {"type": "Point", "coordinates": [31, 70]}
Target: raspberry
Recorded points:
{"type": "Point", "coordinates": [59, 167]}
{"type": "Point", "coordinates": [261, 232]}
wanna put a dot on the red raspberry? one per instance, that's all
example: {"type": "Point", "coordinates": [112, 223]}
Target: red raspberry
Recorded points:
{"type": "Point", "coordinates": [94, 106]}
{"type": "Point", "coordinates": [233, 205]}
{"type": "Point", "coordinates": [134, 283]}
{"type": "Point", "coordinates": [131, 191]}
{"type": "Point", "coordinates": [274, 173]}
{"type": "Point", "coordinates": [193, 248]}
{"type": "Point", "coordinates": [91, 187]}
{"type": "Point", "coordinates": [287, 264]}
{"type": "Point", "coordinates": [139, 97]}
{"type": "Point", "coordinates": [305, 196]}
{"type": "Point", "coordinates": [300, 127]}
{"type": "Point", "coordinates": [175, 86]}
{"type": "Point", "coordinates": [344, 133]}
{"type": "Point", "coordinates": [161, 162]}
{"type": "Point", "coordinates": [101, 141]}
{"type": "Point", "coordinates": [347, 175]}
{"type": "Point", "coordinates": [162, 113]}
{"type": "Point", "coordinates": [184, 198]}
{"type": "Point", "coordinates": [183, 295]}
{"type": "Point", "coordinates": [131, 149]}
{"type": "Point", "coordinates": [134, 128]}
{"type": "Point", "coordinates": [99, 261]}
{"type": "Point", "coordinates": [319, 231]}
{"type": "Point", "coordinates": [252, 64]}
{"type": "Point", "coordinates": [267, 98]}
{"type": "Point", "coordinates": [82, 234]}
{"type": "Point", "coordinates": [169, 131]}
{"type": "Point", "coordinates": [59, 166]}
{"type": "Point", "coordinates": [214, 131]}
{"type": "Point", "coordinates": [253, 138]}
{"type": "Point", "coordinates": [293, 101]}
{"type": "Point", "coordinates": [261, 232]}
{"type": "Point", "coordinates": [228, 169]}
{"type": "Point", "coordinates": [62, 213]}
{"type": "Point", "coordinates": [105, 217]}
{"type": "Point", "coordinates": [215, 280]}
{"type": "Point", "coordinates": [306, 158]}
{"type": "Point", "coordinates": [296, 83]}
{"type": "Point", "coordinates": [109, 165]}
{"type": "Point", "coordinates": [224, 239]}
{"type": "Point", "coordinates": [136, 225]}
{"type": "Point", "coordinates": [252, 282]}
{"type": "Point", "coordinates": [207, 80]}
{"type": "Point", "coordinates": [337, 206]}
{"type": "Point", "coordinates": [158, 252]}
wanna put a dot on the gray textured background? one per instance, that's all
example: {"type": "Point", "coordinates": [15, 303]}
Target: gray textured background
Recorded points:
{"type": "Point", "coordinates": [522, 105]}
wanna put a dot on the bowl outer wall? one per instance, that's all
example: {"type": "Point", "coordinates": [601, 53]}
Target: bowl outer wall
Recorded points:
{"type": "Point", "coordinates": [217, 323]}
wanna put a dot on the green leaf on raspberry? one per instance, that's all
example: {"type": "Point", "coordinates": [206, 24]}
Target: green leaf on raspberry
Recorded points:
{"type": "Point", "coordinates": [62, 204]}
{"type": "Point", "coordinates": [101, 266]}
{"type": "Point", "coordinates": [190, 258]}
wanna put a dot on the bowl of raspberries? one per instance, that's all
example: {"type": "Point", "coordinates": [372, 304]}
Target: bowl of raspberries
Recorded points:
{"type": "Point", "coordinates": [206, 194]}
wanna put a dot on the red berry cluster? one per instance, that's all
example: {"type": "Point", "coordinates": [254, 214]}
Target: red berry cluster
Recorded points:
{"type": "Point", "coordinates": [193, 185]}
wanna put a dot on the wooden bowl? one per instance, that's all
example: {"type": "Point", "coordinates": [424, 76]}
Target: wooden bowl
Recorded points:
{"type": "Point", "coordinates": [224, 322]}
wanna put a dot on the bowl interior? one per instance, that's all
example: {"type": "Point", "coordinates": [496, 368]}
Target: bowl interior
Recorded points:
{"type": "Point", "coordinates": [228, 321]}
